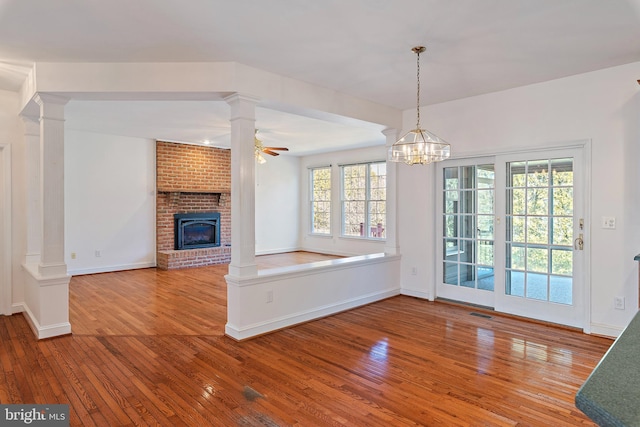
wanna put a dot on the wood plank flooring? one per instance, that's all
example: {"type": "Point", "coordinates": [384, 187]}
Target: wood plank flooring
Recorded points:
{"type": "Point", "coordinates": [148, 349]}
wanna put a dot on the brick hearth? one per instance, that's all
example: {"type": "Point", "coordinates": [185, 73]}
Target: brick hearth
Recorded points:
{"type": "Point", "coordinates": [191, 178]}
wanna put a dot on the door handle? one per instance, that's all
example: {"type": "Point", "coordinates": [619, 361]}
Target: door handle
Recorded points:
{"type": "Point", "coordinates": [578, 244]}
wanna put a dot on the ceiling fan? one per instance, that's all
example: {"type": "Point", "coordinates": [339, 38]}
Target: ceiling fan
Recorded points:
{"type": "Point", "coordinates": [261, 148]}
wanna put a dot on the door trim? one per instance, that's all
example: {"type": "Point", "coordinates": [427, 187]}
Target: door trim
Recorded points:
{"type": "Point", "coordinates": [5, 230]}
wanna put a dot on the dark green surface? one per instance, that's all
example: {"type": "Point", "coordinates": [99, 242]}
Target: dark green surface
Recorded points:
{"type": "Point", "coordinates": [611, 394]}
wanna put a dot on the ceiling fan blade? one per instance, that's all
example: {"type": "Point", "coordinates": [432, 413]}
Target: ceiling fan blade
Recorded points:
{"type": "Point", "coordinates": [269, 152]}
{"type": "Point", "coordinates": [277, 148]}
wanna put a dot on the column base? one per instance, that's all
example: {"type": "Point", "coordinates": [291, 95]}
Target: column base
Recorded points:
{"type": "Point", "coordinates": [46, 302]}
{"type": "Point", "coordinates": [243, 270]}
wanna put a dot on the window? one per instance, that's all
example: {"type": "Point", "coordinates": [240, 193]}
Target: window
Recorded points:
{"type": "Point", "coordinates": [321, 200]}
{"type": "Point", "coordinates": [364, 194]}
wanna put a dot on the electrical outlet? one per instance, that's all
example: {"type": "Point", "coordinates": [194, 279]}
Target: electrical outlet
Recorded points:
{"type": "Point", "coordinates": [618, 303]}
{"type": "Point", "coordinates": [269, 296]}
{"type": "Point", "coordinates": [97, 253]}
{"type": "Point", "coordinates": [414, 271]}
{"type": "Point", "coordinates": [609, 222]}
{"type": "Point", "coordinates": [73, 255]}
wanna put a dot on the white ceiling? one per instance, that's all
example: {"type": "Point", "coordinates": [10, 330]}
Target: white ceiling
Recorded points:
{"type": "Point", "coordinates": [359, 47]}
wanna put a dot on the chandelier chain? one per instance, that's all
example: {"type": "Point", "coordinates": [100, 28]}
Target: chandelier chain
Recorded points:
{"type": "Point", "coordinates": [418, 92]}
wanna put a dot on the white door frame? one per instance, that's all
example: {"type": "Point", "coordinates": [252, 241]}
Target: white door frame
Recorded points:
{"type": "Point", "coordinates": [570, 315]}
{"type": "Point", "coordinates": [458, 293]}
{"type": "Point", "coordinates": [5, 230]}
{"type": "Point", "coordinates": [585, 146]}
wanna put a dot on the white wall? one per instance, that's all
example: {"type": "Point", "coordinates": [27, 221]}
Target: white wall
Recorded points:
{"type": "Point", "coordinates": [277, 207]}
{"type": "Point", "coordinates": [601, 106]}
{"type": "Point", "coordinates": [11, 135]}
{"type": "Point", "coordinates": [109, 202]}
{"type": "Point", "coordinates": [335, 244]}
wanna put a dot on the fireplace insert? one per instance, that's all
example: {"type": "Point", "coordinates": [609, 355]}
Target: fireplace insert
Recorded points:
{"type": "Point", "coordinates": [197, 230]}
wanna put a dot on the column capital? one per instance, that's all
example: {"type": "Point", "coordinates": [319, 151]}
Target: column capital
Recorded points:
{"type": "Point", "coordinates": [49, 98]}
{"type": "Point", "coordinates": [391, 134]}
{"type": "Point", "coordinates": [242, 106]}
{"type": "Point", "coordinates": [51, 106]}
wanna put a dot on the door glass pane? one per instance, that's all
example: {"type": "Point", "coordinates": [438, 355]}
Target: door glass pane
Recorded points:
{"type": "Point", "coordinates": [517, 201]}
{"type": "Point", "coordinates": [467, 276]}
{"type": "Point", "coordinates": [486, 278]}
{"type": "Point", "coordinates": [536, 286]}
{"type": "Point", "coordinates": [450, 273]}
{"type": "Point", "coordinates": [515, 230]}
{"type": "Point", "coordinates": [562, 231]}
{"type": "Point", "coordinates": [468, 199]}
{"type": "Point", "coordinates": [467, 223]}
{"type": "Point", "coordinates": [537, 201]}
{"type": "Point", "coordinates": [451, 249]}
{"type": "Point", "coordinates": [539, 226]}
{"type": "Point", "coordinates": [562, 201]}
{"type": "Point", "coordinates": [450, 226]}
{"type": "Point", "coordinates": [515, 257]}
{"type": "Point", "coordinates": [515, 283]}
{"type": "Point", "coordinates": [516, 174]}
{"type": "Point", "coordinates": [485, 201]}
{"type": "Point", "coordinates": [485, 252]}
{"type": "Point", "coordinates": [468, 177]}
{"type": "Point", "coordinates": [562, 261]}
{"type": "Point", "coordinates": [537, 230]}
{"type": "Point", "coordinates": [560, 289]}
{"type": "Point", "coordinates": [468, 226]}
{"type": "Point", "coordinates": [537, 260]}
{"type": "Point", "coordinates": [450, 202]}
{"type": "Point", "coordinates": [451, 178]}
{"type": "Point", "coordinates": [467, 252]}
{"type": "Point", "coordinates": [485, 176]}
{"type": "Point", "coordinates": [485, 226]}
{"type": "Point", "coordinates": [562, 172]}
{"type": "Point", "coordinates": [537, 173]}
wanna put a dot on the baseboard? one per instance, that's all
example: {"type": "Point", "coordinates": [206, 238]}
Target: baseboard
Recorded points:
{"type": "Point", "coordinates": [17, 308]}
{"type": "Point", "coordinates": [278, 251]}
{"type": "Point", "coordinates": [110, 268]}
{"type": "Point", "coordinates": [416, 294]}
{"type": "Point", "coordinates": [605, 330]}
{"type": "Point", "coordinates": [43, 332]}
{"type": "Point", "coordinates": [262, 328]}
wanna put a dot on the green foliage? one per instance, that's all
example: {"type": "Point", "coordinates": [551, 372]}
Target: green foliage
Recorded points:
{"type": "Point", "coordinates": [321, 200]}
{"type": "Point", "coordinates": [364, 194]}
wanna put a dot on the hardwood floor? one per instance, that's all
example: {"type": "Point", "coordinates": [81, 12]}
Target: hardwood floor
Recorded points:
{"type": "Point", "coordinates": [148, 349]}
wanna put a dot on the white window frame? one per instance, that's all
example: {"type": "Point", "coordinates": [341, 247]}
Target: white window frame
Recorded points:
{"type": "Point", "coordinates": [367, 201]}
{"type": "Point", "coordinates": [312, 201]}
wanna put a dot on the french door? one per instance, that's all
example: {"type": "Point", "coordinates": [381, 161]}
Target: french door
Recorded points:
{"type": "Point", "coordinates": [513, 232]}
{"type": "Point", "coordinates": [467, 222]}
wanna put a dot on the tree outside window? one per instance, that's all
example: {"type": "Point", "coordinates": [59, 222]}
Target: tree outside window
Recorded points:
{"type": "Point", "coordinates": [364, 200]}
{"type": "Point", "coordinates": [321, 200]}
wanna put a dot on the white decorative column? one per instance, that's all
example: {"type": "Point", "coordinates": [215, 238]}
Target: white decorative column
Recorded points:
{"type": "Point", "coordinates": [391, 246]}
{"type": "Point", "coordinates": [52, 184]}
{"type": "Point", "coordinates": [46, 293]}
{"type": "Point", "coordinates": [243, 186]}
{"type": "Point", "coordinates": [34, 209]}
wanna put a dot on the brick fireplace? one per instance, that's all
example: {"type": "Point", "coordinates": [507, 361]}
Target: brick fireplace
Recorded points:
{"type": "Point", "coordinates": [191, 179]}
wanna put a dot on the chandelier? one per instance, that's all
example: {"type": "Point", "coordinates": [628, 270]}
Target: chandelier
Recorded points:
{"type": "Point", "coordinates": [419, 146]}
